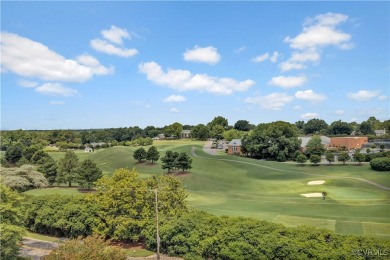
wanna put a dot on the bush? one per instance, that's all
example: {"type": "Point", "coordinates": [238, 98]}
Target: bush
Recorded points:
{"type": "Point", "coordinates": [380, 164]}
{"type": "Point", "coordinates": [23, 178]}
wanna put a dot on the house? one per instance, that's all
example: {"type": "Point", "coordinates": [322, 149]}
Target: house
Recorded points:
{"type": "Point", "coordinates": [305, 139]}
{"type": "Point", "coordinates": [159, 137]}
{"type": "Point", "coordinates": [234, 147]}
{"type": "Point", "coordinates": [380, 132]}
{"type": "Point", "coordinates": [88, 150]}
{"type": "Point", "coordinates": [97, 144]}
{"type": "Point", "coordinates": [348, 142]}
{"type": "Point", "coordinates": [186, 134]}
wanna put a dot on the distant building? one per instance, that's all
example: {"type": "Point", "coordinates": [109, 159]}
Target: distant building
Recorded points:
{"type": "Point", "coordinates": [159, 137]}
{"type": "Point", "coordinates": [186, 134]}
{"type": "Point", "coordinates": [380, 132]}
{"type": "Point", "coordinates": [305, 139]}
{"type": "Point", "coordinates": [234, 147]}
{"type": "Point", "coordinates": [88, 150]}
{"type": "Point", "coordinates": [348, 142]}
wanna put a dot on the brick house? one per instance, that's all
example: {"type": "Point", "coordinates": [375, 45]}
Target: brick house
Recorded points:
{"type": "Point", "coordinates": [234, 147]}
{"type": "Point", "coordinates": [348, 142]}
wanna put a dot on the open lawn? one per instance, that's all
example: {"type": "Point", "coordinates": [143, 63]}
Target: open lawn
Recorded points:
{"type": "Point", "coordinates": [231, 185]}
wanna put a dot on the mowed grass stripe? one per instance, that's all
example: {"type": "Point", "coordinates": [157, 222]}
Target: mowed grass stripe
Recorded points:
{"type": "Point", "coordinates": [376, 229]}
{"type": "Point", "coordinates": [293, 221]}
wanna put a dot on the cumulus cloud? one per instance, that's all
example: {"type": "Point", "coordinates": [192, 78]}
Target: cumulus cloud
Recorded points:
{"type": "Point", "coordinates": [274, 57]}
{"type": "Point", "coordinates": [261, 58]}
{"type": "Point", "coordinates": [208, 55]}
{"type": "Point", "coordinates": [309, 95]}
{"type": "Point", "coordinates": [28, 58]}
{"type": "Point", "coordinates": [175, 98]}
{"type": "Point", "coordinates": [287, 82]}
{"type": "Point", "coordinates": [115, 34]}
{"type": "Point", "coordinates": [55, 89]}
{"type": "Point", "coordinates": [273, 101]}
{"type": "Point", "coordinates": [108, 48]}
{"type": "Point", "coordinates": [94, 65]}
{"type": "Point", "coordinates": [27, 83]}
{"type": "Point", "coordinates": [363, 95]}
{"type": "Point", "coordinates": [56, 102]}
{"type": "Point", "coordinates": [288, 65]}
{"type": "Point", "coordinates": [184, 80]}
{"type": "Point", "coordinates": [308, 116]}
{"type": "Point", "coordinates": [174, 110]}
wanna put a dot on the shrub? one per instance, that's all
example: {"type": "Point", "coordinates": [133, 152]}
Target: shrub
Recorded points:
{"type": "Point", "coordinates": [23, 178]}
{"type": "Point", "coordinates": [380, 164]}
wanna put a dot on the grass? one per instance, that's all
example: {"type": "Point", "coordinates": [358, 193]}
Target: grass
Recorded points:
{"type": "Point", "coordinates": [138, 252]}
{"type": "Point", "coordinates": [41, 237]}
{"type": "Point", "coordinates": [49, 191]}
{"type": "Point", "coordinates": [231, 185]}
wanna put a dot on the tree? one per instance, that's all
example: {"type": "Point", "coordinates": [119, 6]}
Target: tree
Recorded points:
{"type": "Point", "coordinates": [38, 155]}
{"type": "Point", "coordinates": [23, 178]}
{"type": "Point", "coordinates": [183, 162]}
{"type": "Point", "coordinates": [315, 159]}
{"type": "Point", "coordinates": [340, 128]}
{"type": "Point", "coordinates": [14, 153]}
{"type": "Point", "coordinates": [382, 148]}
{"type": "Point", "coordinates": [358, 156]}
{"type": "Point", "coordinates": [314, 146]}
{"type": "Point", "coordinates": [168, 161]}
{"type": "Point", "coordinates": [218, 120]}
{"type": "Point", "coordinates": [217, 132]}
{"type": "Point", "coordinates": [330, 157]}
{"type": "Point", "coordinates": [232, 134]}
{"type": "Point", "coordinates": [366, 128]}
{"type": "Point", "coordinates": [68, 168]}
{"type": "Point", "coordinates": [301, 158]}
{"type": "Point", "coordinates": [315, 126]}
{"type": "Point", "coordinates": [200, 132]}
{"type": "Point", "coordinates": [174, 130]}
{"type": "Point", "coordinates": [152, 154]}
{"type": "Point", "coordinates": [242, 125]}
{"type": "Point", "coordinates": [139, 154]}
{"type": "Point", "coordinates": [343, 157]}
{"type": "Point", "coordinates": [28, 152]}
{"type": "Point", "coordinates": [48, 166]}
{"type": "Point", "coordinates": [88, 173]}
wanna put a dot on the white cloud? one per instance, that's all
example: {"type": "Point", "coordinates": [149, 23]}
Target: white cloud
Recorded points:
{"type": "Point", "coordinates": [108, 48]}
{"type": "Point", "coordinates": [363, 95]}
{"type": "Point", "coordinates": [175, 98]}
{"type": "Point", "coordinates": [261, 58]}
{"type": "Point", "coordinates": [288, 65]}
{"type": "Point", "coordinates": [55, 102]}
{"type": "Point", "coordinates": [287, 82]}
{"type": "Point", "coordinates": [28, 58]}
{"type": "Point", "coordinates": [274, 57]}
{"type": "Point", "coordinates": [184, 80]}
{"type": "Point", "coordinates": [94, 65]}
{"type": "Point", "coordinates": [297, 107]}
{"type": "Point", "coordinates": [55, 89]}
{"type": "Point", "coordinates": [309, 95]}
{"type": "Point", "coordinates": [308, 116]}
{"type": "Point", "coordinates": [27, 83]}
{"type": "Point", "coordinates": [339, 112]}
{"type": "Point", "coordinates": [273, 101]}
{"type": "Point", "coordinates": [241, 49]}
{"type": "Point", "coordinates": [115, 34]}
{"type": "Point", "coordinates": [382, 97]}
{"type": "Point", "coordinates": [306, 55]}
{"type": "Point", "coordinates": [208, 55]}
{"type": "Point", "coordinates": [174, 110]}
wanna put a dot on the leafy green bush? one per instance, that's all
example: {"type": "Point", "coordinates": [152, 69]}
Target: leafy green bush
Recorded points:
{"type": "Point", "coordinates": [380, 164]}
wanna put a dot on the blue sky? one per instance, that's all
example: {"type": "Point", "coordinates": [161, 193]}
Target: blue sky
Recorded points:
{"type": "Point", "coordinates": [75, 65]}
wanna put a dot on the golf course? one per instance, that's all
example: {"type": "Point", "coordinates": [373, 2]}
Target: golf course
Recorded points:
{"type": "Point", "coordinates": [357, 201]}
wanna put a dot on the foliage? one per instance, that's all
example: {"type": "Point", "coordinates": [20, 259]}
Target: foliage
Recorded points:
{"type": "Point", "coordinates": [233, 134]}
{"type": "Point", "coordinates": [141, 141]}
{"type": "Point", "coordinates": [243, 125]}
{"type": "Point", "coordinates": [358, 157]}
{"type": "Point", "coordinates": [183, 162]}
{"type": "Point", "coordinates": [169, 160]}
{"type": "Point", "coordinates": [200, 132]}
{"type": "Point", "coordinates": [314, 146]}
{"type": "Point", "coordinates": [23, 178]}
{"type": "Point", "coordinates": [330, 157]}
{"type": "Point", "coordinates": [315, 126]}
{"type": "Point", "coordinates": [218, 120]}
{"type": "Point", "coordinates": [340, 128]}
{"type": "Point", "coordinates": [174, 130]}
{"type": "Point", "coordinates": [366, 128]}
{"type": "Point", "coordinates": [48, 166]}
{"type": "Point", "coordinates": [370, 156]}
{"type": "Point", "coordinates": [301, 158]}
{"type": "Point", "coordinates": [152, 154]}
{"type": "Point", "coordinates": [88, 173]}
{"type": "Point", "coordinates": [139, 154]}
{"type": "Point", "coordinates": [217, 132]}
{"type": "Point", "coordinates": [10, 238]}
{"type": "Point", "coordinates": [343, 157]}
{"type": "Point", "coordinates": [28, 152]}
{"type": "Point", "coordinates": [315, 159]}
{"type": "Point", "coordinates": [91, 247]}
{"type": "Point", "coordinates": [380, 164]}
{"type": "Point", "coordinates": [13, 153]}
{"type": "Point", "coordinates": [68, 168]}
{"type": "Point", "coordinates": [38, 155]}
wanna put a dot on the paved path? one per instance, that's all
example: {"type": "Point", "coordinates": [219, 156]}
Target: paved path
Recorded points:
{"type": "Point", "coordinates": [281, 170]}
{"type": "Point", "coordinates": [35, 249]}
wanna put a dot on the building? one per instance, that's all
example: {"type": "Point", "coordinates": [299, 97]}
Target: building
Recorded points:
{"type": "Point", "coordinates": [305, 139]}
{"type": "Point", "coordinates": [88, 150]}
{"type": "Point", "coordinates": [348, 142]}
{"type": "Point", "coordinates": [380, 132]}
{"type": "Point", "coordinates": [234, 147]}
{"type": "Point", "coordinates": [186, 134]}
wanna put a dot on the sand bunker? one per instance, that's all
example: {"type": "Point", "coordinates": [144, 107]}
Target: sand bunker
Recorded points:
{"type": "Point", "coordinates": [315, 182]}
{"type": "Point", "coordinates": [312, 195]}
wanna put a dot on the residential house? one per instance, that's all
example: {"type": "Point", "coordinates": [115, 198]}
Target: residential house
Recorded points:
{"type": "Point", "coordinates": [88, 150]}
{"type": "Point", "coordinates": [234, 147]}
{"type": "Point", "coordinates": [186, 134]}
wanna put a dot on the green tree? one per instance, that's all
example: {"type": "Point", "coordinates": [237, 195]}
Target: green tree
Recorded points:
{"type": "Point", "coordinates": [38, 155]}
{"type": "Point", "coordinates": [218, 120]}
{"type": "Point", "coordinates": [366, 128]}
{"type": "Point", "coordinates": [315, 159]}
{"type": "Point", "coordinates": [68, 168]}
{"type": "Point", "coordinates": [88, 173]}
{"type": "Point", "coordinates": [343, 157]}
{"type": "Point", "coordinates": [217, 132]}
{"type": "Point", "coordinates": [200, 132]}
{"type": "Point", "coordinates": [13, 153]}
{"type": "Point", "coordinates": [340, 128]}
{"type": "Point", "coordinates": [139, 154]}
{"type": "Point", "coordinates": [28, 152]}
{"type": "Point", "coordinates": [152, 154]}
{"type": "Point", "coordinates": [174, 130]}
{"type": "Point", "coordinates": [48, 166]}
{"type": "Point", "coordinates": [233, 134]}
{"type": "Point", "coordinates": [168, 161]}
{"type": "Point", "coordinates": [183, 162]}
{"type": "Point", "coordinates": [315, 126]}
{"type": "Point", "coordinates": [324, 194]}
{"type": "Point", "coordinates": [242, 125]}
{"type": "Point", "coordinates": [382, 148]}
{"type": "Point", "coordinates": [301, 158]}
{"type": "Point", "coordinates": [314, 146]}
{"type": "Point", "coordinates": [330, 157]}
{"type": "Point", "coordinates": [358, 157]}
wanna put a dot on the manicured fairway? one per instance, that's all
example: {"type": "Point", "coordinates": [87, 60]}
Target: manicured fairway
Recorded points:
{"type": "Point", "coordinates": [231, 185]}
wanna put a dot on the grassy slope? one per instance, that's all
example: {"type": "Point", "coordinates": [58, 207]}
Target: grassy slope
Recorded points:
{"type": "Point", "coordinates": [271, 190]}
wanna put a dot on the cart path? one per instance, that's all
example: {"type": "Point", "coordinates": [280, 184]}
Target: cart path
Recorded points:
{"type": "Point", "coordinates": [193, 151]}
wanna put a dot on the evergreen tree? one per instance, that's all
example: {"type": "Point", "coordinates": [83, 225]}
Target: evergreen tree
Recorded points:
{"type": "Point", "coordinates": [48, 166]}
{"type": "Point", "coordinates": [139, 154]}
{"type": "Point", "coordinates": [13, 153]}
{"type": "Point", "coordinates": [169, 160]}
{"type": "Point", "coordinates": [68, 168]}
{"type": "Point", "coordinates": [88, 173]}
{"type": "Point", "coordinates": [152, 154]}
{"type": "Point", "coordinates": [183, 162]}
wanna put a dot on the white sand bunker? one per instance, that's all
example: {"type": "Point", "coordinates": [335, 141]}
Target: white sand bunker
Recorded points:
{"type": "Point", "coordinates": [312, 195]}
{"type": "Point", "coordinates": [315, 182]}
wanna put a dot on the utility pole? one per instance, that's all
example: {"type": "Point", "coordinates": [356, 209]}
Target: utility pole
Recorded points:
{"type": "Point", "coordinates": [157, 231]}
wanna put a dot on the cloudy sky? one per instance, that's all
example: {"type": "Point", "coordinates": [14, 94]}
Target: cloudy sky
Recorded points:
{"type": "Point", "coordinates": [96, 65]}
